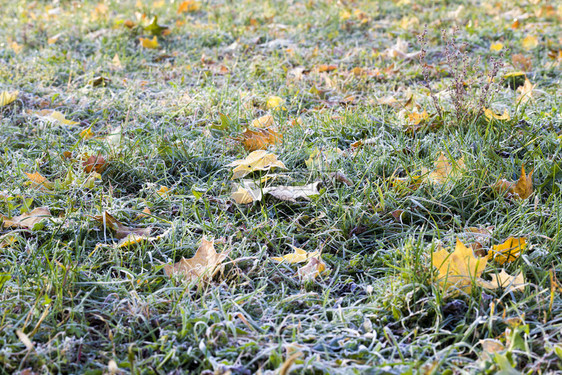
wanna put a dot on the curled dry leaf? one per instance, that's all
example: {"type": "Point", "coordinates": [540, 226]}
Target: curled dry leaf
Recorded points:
{"type": "Point", "coordinates": [94, 164]}
{"type": "Point", "coordinates": [312, 269]}
{"type": "Point", "coordinates": [298, 256]}
{"type": "Point", "coordinates": [259, 139]}
{"type": "Point", "coordinates": [459, 269]}
{"type": "Point", "coordinates": [445, 171]}
{"type": "Point", "coordinates": [26, 220]}
{"type": "Point", "coordinates": [36, 180]}
{"type": "Point", "coordinates": [492, 115]}
{"type": "Point", "coordinates": [259, 160]}
{"type": "Point", "coordinates": [339, 176]}
{"type": "Point", "coordinates": [121, 230]}
{"type": "Point", "coordinates": [248, 191]}
{"type": "Point", "coordinates": [202, 266]}
{"type": "Point", "coordinates": [508, 251]}
{"type": "Point", "coordinates": [8, 97]}
{"type": "Point", "coordinates": [522, 189]}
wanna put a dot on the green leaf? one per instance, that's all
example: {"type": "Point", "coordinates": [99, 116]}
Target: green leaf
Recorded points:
{"type": "Point", "coordinates": [154, 28]}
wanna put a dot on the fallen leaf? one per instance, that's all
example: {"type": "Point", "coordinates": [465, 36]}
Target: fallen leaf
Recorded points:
{"type": "Point", "coordinates": [322, 159]}
{"type": "Point", "coordinates": [87, 133]}
{"type": "Point", "coordinates": [274, 102]}
{"type": "Point", "coordinates": [298, 256]}
{"type": "Point", "coordinates": [415, 118]}
{"type": "Point", "coordinates": [155, 29]}
{"type": "Point", "coordinates": [496, 46]}
{"type": "Point", "coordinates": [522, 62]}
{"type": "Point", "coordinates": [530, 42]}
{"type": "Point", "coordinates": [121, 231]}
{"type": "Point", "coordinates": [259, 139]}
{"type": "Point", "coordinates": [339, 176]}
{"type": "Point", "coordinates": [506, 281]}
{"type": "Point", "coordinates": [525, 92]}
{"type": "Point", "coordinates": [36, 180]}
{"type": "Point", "coordinates": [265, 121]}
{"type": "Point", "coordinates": [145, 213]}
{"type": "Point", "coordinates": [445, 171]}
{"type": "Point", "coordinates": [189, 6]}
{"type": "Point", "coordinates": [149, 43]}
{"type": "Point", "coordinates": [311, 270]}
{"type": "Point", "coordinates": [8, 97]}
{"type": "Point", "coordinates": [202, 266]}
{"type": "Point", "coordinates": [490, 346]}
{"type": "Point", "coordinates": [326, 68]}
{"type": "Point", "coordinates": [94, 164]}
{"type": "Point", "coordinates": [8, 239]}
{"type": "Point", "coordinates": [28, 219]}
{"type": "Point", "coordinates": [522, 189]}
{"type": "Point", "coordinates": [292, 193]}
{"type": "Point", "coordinates": [259, 160]}
{"type": "Point", "coordinates": [459, 269]}
{"type": "Point", "coordinates": [164, 191]}
{"type": "Point", "coordinates": [135, 239]}
{"type": "Point", "coordinates": [508, 251]}
{"type": "Point", "coordinates": [492, 115]}
{"type": "Point", "coordinates": [53, 116]}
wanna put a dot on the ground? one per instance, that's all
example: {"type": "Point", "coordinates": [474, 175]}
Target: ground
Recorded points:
{"type": "Point", "coordinates": [151, 125]}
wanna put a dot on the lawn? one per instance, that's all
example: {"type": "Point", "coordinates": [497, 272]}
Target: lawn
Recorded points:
{"type": "Point", "coordinates": [408, 153]}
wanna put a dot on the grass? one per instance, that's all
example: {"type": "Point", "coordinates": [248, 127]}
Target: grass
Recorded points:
{"type": "Point", "coordinates": [71, 302]}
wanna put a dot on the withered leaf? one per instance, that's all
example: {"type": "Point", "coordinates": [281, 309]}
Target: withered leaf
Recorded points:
{"type": "Point", "coordinates": [202, 266]}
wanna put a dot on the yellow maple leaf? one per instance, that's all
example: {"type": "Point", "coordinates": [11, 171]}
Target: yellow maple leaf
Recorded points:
{"type": "Point", "coordinates": [274, 102]}
{"type": "Point", "coordinates": [26, 220]}
{"type": "Point", "coordinates": [522, 189]}
{"type": "Point", "coordinates": [415, 118]}
{"type": "Point", "coordinates": [492, 115]}
{"type": "Point", "coordinates": [298, 256]}
{"type": "Point", "coordinates": [530, 42]}
{"type": "Point", "coordinates": [508, 251]}
{"type": "Point", "coordinates": [259, 160]}
{"type": "Point", "coordinates": [164, 191]}
{"type": "Point", "coordinates": [259, 139]}
{"type": "Point", "coordinates": [8, 97]}
{"type": "Point", "coordinates": [525, 92]}
{"type": "Point", "coordinates": [149, 43]}
{"type": "Point", "coordinates": [202, 266]}
{"type": "Point", "coordinates": [459, 269]}
{"type": "Point", "coordinates": [265, 121]}
{"type": "Point", "coordinates": [36, 180]}
{"type": "Point", "coordinates": [87, 133]}
{"type": "Point", "coordinates": [445, 171]}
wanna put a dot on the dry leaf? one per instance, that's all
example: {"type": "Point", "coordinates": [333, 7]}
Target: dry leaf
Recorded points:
{"type": "Point", "coordinates": [8, 97]}
{"type": "Point", "coordinates": [121, 231]}
{"type": "Point", "coordinates": [28, 219]}
{"type": "Point", "coordinates": [492, 115]}
{"type": "Point", "coordinates": [164, 191]}
{"type": "Point", "coordinates": [530, 42]}
{"type": "Point", "coordinates": [460, 269]}
{"type": "Point", "coordinates": [135, 239]}
{"type": "Point", "coordinates": [259, 160]}
{"type": "Point", "coordinates": [53, 116]}
{"type": "Point", "coordinates": [87, 133]}
{"type": "Point", "coordinates": [259, 139]}
{"type": "Point", "coordinates": [266, 121]}
{"type": "Point", "coordinates": [508, 251]}
{"type": "Point", "coordinates": [298, 256]}
{"type": "Point", "coordinates": [149, 43]}
{"type": "Point", "coordinates": [292, 193]}
{"type": "Point", "coordinates": [496, 46]}
{"type": "Point", "coordinates": [8, 239]}
{"type": "Point", "coordinates": [522, 62]}
{"type": "Point", "coordinates": [202, 266]}
{"type": "Point", "coordinates": [322, 159]}
{"type": "Point", "coordinates": [274, 102]}
{"type": "Point", "coordinates": [506, 281]}
{"type": "Point", "coordinates": [311, 270]}
{"type": "Point", "coordinates": [525, 92]}
{"type": "Point", "coordinates": [189, 6]}
{"type": "Point", "coordinates": [36, 180]}
{"type": "Point", "coordinates": [445, 171]}
{"type": "Point", "coordinates": [490, 346]}
{"type": "Point", "coordinates": [94, 164]}
{"type": "Point", "coordinates": [522, 189]}
{"type": "Point", "coordinates": [415, 118]}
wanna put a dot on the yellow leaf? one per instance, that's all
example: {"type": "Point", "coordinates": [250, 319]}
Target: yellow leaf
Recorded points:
{"type": "Point", "coordinates": [263, 122]}
{"type": "Point", "coordinates": [38, 181]}
{"type": "Point", "coordinates": [202, 266]}
{"type": "Point", "coordinates": [459, 269]}
{"type": "Point", "coordinates": [87, 133]}
{"type": "Point", "coordinates": [298, 256]}
{"type": "Point", "coordinates": [496, 46]}
{"type": "Point", "coordinates": [274, 102]}
{"type": "Point", "coordinates": [8, 97]}
{"type": "Point", "coordinates": [415, 118]}
{"type": "Point", "coordinates": [259, 160]}
{"type": "Point", "coordinates": [444, 170]}
{"type": "Point", "coordinates": [259, 139]}
{"type": "Point", "coordinates": [121, 231]}
{"type": "Point", "coordinates": [26, 220]}
{"type": "Point", "coordinates": [135, 239]}
{"type": "Point", "coordinates": [522, 189]}
{"type": "Point", "coordinates": [530, 42]}
{"type": "Point", "coordinates": [189, 6]}
{"type": "Point", "coordinates": [53, 116]}
{"type": "Point", "coordinates": [149, 43]}
{"type": "Point", "coordinates": [525, 92]}
{"type": "Point", "coordinates": [508, 251]}
{"type": "Point", "coordinates": [491, 115]}
{"type": "Point", "coordinates": [164, 191]}
{"type": "Point", "coordinates": [506, 281]}
{"type": "Point", "coordinates": [8, 239]}
{"type": "Point", "coordinates": [322, 160]}
{"type": "Point", "coordinates": [312, 269]}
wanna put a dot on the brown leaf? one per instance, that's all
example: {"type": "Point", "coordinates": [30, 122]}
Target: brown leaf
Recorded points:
{"type": "Point", "coordinates": [27, 220]}
{"type": "Point", "coordinates": [313, 268]}
{"type": "Point", "coordinates": [121, 231]}
{"type": "Point", "coordinates": [522, 189]}
{"type": "Point", "coordinates": [202, 266]}
{"type": "Point", "coordinates": [259, 139]}
{"type": "Point", "coordinates": [95, 163]}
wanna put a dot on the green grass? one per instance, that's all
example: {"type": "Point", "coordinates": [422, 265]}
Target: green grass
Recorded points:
{"type": "Point", "coordinates": [377, 308]}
